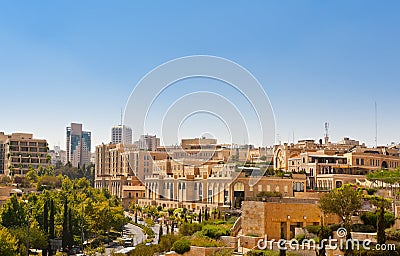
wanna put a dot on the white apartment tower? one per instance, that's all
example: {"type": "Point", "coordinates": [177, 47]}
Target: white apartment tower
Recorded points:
{"type": "Point", "coordinates": [121, 134]}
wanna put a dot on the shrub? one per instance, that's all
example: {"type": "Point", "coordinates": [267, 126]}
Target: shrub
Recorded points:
{"type": "Point", "coordinates": [144, 250]}
{"type": "Point", "coordinates": [301, 237]}
{"type": "Point", "coordinates": [5, 180]}
{"type": "Point", "coordinates": [315, 229]}
{"type": "Point", "coordinates": [149, 222]}
{"type": "Point", "coordinates": [370, 218]}
{"type": "Point", "coordinates": [393, 234]}
{"type": "Point", "coordinates": [181, 246]}
{"type": "Point", "coordinates": [167, 241]}
{"type": "Point", "coordinates": [269, 194]}
{"type": "Point", "coordinates": [223, 252]}
{"type": "Point", "coordinates": [371, 191]}
{"type": "Point", "coordinates": [188, 229]}
{"type": "Point", "coordinates": [363, 228]}
{"type": "Point", "coordinates": [219, 222]}
{"type": "Point", "coordinates": [99, 240]}
{"type": "Point", "coordinates": [213, 231]}
{"type": "Point", "coordinates": [205, 242]}
{"type": "Point", "coordinates": [232, 220]}
{"type": "Point", "coordinates": [49, 182]}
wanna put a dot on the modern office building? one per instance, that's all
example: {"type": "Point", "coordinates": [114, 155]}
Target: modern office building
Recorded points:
{"type": "Point", "coordinates": [78, 145]}
{"type": "Point", "coordinates": [20, 151]}
{"type": "Point", "coordinates": [121, 134]}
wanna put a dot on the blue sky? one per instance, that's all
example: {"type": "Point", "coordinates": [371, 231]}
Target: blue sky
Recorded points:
{"type": "Point", "coordinates": [318, 61]}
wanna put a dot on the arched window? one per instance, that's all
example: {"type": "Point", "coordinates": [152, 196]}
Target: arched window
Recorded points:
{"type": "Point", "coordinates": [239, 186]}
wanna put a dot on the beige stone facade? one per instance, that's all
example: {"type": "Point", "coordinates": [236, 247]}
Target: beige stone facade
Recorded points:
{"type": "Point", "coordinates": [325, 164]}
{"type": "Point", "coordinates": [278, 218]}
{"type": "Point", "coordinates": [20, 151]}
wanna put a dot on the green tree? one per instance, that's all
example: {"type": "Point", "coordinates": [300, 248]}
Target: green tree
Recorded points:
{"type": "Point", "coordinates": [13, 213]}
{"type": "Point", "coordinates": [344, 202]}
{"type": "Point", "coordinates": [167, 241]}
{"type": "Point", "coordinates": [382, 204]}
{"type": "Point", "coordinates": [160, 233]}
{"type": "Point", "coordinates": [8, 243]}
{"type": "Point", "coordinates": [51, 223]}
{"type": "Point", "coordinates": [67, 226]}
{"type": "Point", "coordinates": [188, 229]}
{"type": "Point", "coordinates": [37, 238]}
{"type": "Point", "coordinates": [45, 222]}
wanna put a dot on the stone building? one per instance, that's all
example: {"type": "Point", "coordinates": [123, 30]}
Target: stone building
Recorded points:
{"type": "Point", "coordinates": [20, 151]}
{"type": "Point", "coordinates": [279, 217]}
{"type": "Point", "coordinates": [226, 187]}
{"type": "Point", "coordinates": [325, 164]}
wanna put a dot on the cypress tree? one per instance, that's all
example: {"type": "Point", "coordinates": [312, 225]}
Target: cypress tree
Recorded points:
{"type": "Point", "coordinates": [51, 224]}
{"type": "Point", "coordinates": [65, 225]}
{"type": "Point", "coordinates": [160, 233]}
{"type": "Point", "coordinates": [200, 216]}
{"type": "Point", "coordinates": [70, 228]}
{"type": "Point", "coordinates": [45, 222]}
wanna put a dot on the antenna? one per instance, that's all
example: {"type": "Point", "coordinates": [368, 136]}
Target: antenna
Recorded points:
{"type": "Point", "coordinates": [326, 133]}
{"type": "Point", "coordinates": [376, 125]}
{"type": "Point", "coordinates": [121, 116]}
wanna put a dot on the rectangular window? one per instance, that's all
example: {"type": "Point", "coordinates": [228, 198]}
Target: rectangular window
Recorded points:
{"type": "Point", "coordinates": [286, 189]}
{"type": "Point", "coordinates": [268, 188]}
{"type": "Point", "coordinates": [259, 188]}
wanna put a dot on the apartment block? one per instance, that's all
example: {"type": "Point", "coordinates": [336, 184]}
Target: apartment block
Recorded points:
{"type": "Point", "coordinates": [20, 151]}
{"type": "Point", "coordinates": [331, 165]}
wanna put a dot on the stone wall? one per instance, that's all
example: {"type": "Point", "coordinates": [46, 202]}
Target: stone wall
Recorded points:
{"type": "Point", "coordinates": [253, 218]}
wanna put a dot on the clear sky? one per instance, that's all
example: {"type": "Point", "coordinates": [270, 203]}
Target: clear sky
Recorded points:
{"type": "Point", "coordinates": [319, 61]}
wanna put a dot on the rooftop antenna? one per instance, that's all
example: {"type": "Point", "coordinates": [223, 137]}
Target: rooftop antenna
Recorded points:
{"type": "Point", "coordinates": [121, 116]}
{"type": "Point", "coordinates": [326, 133]}
{"type": "Point", "coordinates": [376, 125]}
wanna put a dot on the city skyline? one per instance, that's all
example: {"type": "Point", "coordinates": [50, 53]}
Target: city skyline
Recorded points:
{"type": "Point", "coordinates": [319, 56]}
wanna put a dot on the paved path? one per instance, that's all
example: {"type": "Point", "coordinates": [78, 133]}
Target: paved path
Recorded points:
{"type": "Point", "coordinates": [138, 235]}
